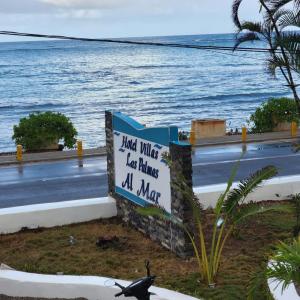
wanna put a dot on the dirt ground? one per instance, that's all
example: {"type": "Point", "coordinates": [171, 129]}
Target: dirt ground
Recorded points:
{"type": "Point", "coordinates": [50, 251]}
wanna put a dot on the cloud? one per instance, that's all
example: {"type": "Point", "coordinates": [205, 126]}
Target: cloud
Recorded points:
{"type": "Point", "coordinates": [88, 4]}
{"type": "Point", "coordinates": [131, 7]}
{"type": "Point", "coordinates": [24, 7]}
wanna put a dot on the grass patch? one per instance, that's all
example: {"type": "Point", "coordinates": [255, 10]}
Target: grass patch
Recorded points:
{"type": "Point", "coordinates": [49, 251]}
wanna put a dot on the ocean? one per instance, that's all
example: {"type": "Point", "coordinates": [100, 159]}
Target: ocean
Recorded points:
{"type": "Point", "coordinates": [158, 86]}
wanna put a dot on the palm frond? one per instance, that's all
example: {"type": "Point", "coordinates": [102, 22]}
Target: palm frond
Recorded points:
{"type": "Point", "coordinates": [235, 12]}
{"type": "Point", "coordinates": [279, 17]}
{"type": "Point", "coordinates": [256, 283]}
{"type": "Point", "coordinates": [288, 18]}
{"type": "Point", "coordinates": [223, 196]}
{"type": "Point", "coordinates": [153, 212]}
{"type": "Point", "coordinates": [290, 42]}
{"type": "Point", "coordinates": [277, 4]}
{"type": "Point", "coordinates": [245, 37]}
{"type": "Point", "coordinates": [238, 195]}
{"type": "Point", "coordinates": [285, 263]}
{"type": "Point", "coordinates": [251, 209]}
{"type": "Point", "coordinates": [252, 27]}
{"type": "Point", "coordinates": [283, 268]}
{"type": "Point", "coordinates": [275, 62]}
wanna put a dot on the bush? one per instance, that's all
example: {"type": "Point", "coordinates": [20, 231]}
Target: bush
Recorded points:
{"type": "Point", "coordinates": [40, 130]}
{"type": "Point", "coordinates": [272, 112]}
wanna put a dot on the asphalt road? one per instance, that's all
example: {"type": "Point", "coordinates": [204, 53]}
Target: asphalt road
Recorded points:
{"type": "Point", "coordinates": [73, 179]}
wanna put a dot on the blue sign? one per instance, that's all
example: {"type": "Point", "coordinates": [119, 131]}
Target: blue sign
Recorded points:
{"type": "Point", "coordinates": [141, 173]}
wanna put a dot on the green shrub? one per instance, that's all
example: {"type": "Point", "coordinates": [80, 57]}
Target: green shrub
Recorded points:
{"type": "Point", "coordinates": [40, 130]}
{"type": "Point", "coordinates": [272, 112]}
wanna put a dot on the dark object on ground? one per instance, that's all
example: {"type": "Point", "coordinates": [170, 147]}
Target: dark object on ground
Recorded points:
{"type": "Point", "coordinates": [183, 135]}
{"type": "Point", "coordinates": [139, 288]}
{"type": "Point", "coordinates": [4, 297]}
{"type": "Point", "coordinates": [231, 132]}
{"type": "Point", "coordinates": [107, 242]}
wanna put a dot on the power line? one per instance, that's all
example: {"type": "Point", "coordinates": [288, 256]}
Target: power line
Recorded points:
{"type": "Point", "coordinates": [131, 42]}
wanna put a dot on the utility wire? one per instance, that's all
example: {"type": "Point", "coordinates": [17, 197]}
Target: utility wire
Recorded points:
{"type": "Point", "coordinates": [131, 42]}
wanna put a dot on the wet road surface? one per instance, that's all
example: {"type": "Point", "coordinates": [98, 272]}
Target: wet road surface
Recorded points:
{"type": "Point", "coordinates": [74, 179]}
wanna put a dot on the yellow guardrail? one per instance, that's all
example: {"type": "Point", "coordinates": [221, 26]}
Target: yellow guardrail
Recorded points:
{"type": "Point", "coordinates": [79, 148]}
{"type": "Point", "coordinates": [19, 155]}
{"type": "Point", "coordinates": [192, 138]}
{"type": "Point", "coordinates": [244, 134]}
{"type": "Point", "coordinates": [294, 129]}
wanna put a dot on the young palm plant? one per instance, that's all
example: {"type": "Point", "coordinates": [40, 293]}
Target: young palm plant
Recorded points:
{"type": "Point", "coordinates": [230, 211]}
{"type": "Point", "coordinates": [283, 268]}
{"type": "Point", "coordinates": [279, 30]}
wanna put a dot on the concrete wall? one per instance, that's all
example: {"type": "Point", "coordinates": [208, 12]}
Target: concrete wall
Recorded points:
{"type": "Point", "coordinates": [20, 284]}
{"type": "Point", "coordinates": [283, 126]}
{"type": "Point", "coordinates": [55, 214]}
{"type": "Point", "coordinates": [278, 188]}
{"type": "Point", "coordinates": [208, 128]}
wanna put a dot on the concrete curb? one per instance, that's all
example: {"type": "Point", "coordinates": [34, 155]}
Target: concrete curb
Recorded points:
{"type": "Point", "coordinates": [20, 284]}
{"type": "Point", "coordinates": [278, 188]}
{"type": "Point", "coordinates": [48, 215]}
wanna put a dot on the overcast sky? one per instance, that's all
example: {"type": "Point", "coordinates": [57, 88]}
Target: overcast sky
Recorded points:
{"type": "Point", "coordinates": [120, 18]}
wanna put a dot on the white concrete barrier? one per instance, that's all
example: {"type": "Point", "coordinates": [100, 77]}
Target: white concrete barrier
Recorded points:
{"type": "Point", "coordinates": [276, 289]}
{"type": "Point", "coordinates": [289, 293]}
{"type": "Point", "coordinates": [55, 214]}
{"type": "Point", "coordinates": [278, 188]}
{"type": "Point", "coordinates": [20, 284]}
{"type": "Point", "coordinates": [63, 213]}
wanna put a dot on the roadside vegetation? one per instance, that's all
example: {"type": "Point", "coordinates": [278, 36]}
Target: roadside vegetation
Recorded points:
{"type": "Point", "coordinates": [39, 131]}
{"type": "Point", "coordinates": [273, 112]}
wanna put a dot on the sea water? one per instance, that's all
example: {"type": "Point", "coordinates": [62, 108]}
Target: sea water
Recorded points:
{"type": "Point", "coordinates": [158, 86]}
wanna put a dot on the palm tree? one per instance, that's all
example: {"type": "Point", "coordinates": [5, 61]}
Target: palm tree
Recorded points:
{"type": "Point", "coordinates": [284, 45]}
{"type": "Point", "coordinates": [231, 210]}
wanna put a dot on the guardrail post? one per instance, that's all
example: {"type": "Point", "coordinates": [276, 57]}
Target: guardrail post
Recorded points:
{"type": "Point", "coordinates": [79, 149]}
{"type": "Point", "coordinates": [193, 138]}
{"type": "Point", "coordinates": [19, 155]}
{"type": "Point", "coordinates": [294, 129]}
{"type": "Point", "coordinates": [244, 134]}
